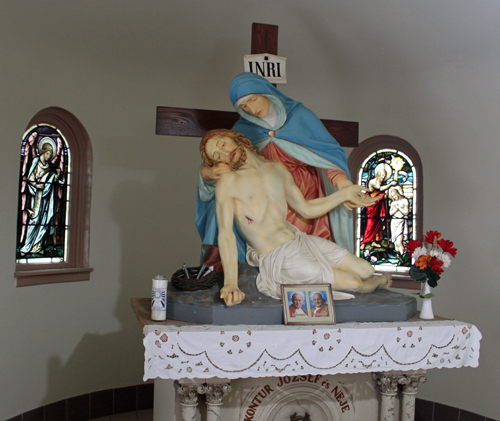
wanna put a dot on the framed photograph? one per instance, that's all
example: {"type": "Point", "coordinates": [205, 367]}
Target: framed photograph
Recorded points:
{"type": "Point", "coordinates": [308, 304]}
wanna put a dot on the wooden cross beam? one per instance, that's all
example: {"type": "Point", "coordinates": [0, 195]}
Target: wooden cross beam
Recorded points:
{"type": "Point", "coordinates": [172, 121]}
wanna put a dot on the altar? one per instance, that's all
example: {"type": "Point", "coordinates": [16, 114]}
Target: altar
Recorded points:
{"type": "Point", "coordinates": [335, 370]}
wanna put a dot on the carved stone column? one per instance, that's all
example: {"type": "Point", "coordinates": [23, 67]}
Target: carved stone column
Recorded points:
{"type": "Point", "coordinates": [188, 394]}
{"type": "Point", "coordinates": [213, 396]}
{"type": "Point", "coordinates": [409, 383]}
{"type": "Point", "coordinates": [388, 384]}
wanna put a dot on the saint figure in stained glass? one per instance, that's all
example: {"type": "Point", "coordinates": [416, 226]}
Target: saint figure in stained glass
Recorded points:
{"type": "Point", "coordinates": [42, 227]}
{"type": "Point", "coordinates": [376, 214]}
{"type": "Point", "coordinates": [385, 226]}
{"type": "Point", "coordinates": [398, 210]}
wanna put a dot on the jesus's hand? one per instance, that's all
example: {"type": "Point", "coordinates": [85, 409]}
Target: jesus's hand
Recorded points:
{"type": "Point", "coordinates": [342, 182]}
{"type": "Point", "coordinates": [357, 198]}
{"type": "Point", "coordinates": [231, 295]}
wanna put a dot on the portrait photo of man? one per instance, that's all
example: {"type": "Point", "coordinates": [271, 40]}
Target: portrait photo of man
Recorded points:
{"type": "Point", "coordinates": [319, 305]}
{"type": "Point", "coordinates": [297, 309]}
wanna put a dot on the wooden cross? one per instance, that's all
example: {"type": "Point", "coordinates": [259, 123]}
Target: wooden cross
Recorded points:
{"type": "Point", "coordinates": [191, 122]}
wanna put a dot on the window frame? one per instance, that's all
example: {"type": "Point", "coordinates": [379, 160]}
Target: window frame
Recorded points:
{"type": "Point", "coordinates": [356, 159]}
{"type": "Point", "coordinates": [76, 267]}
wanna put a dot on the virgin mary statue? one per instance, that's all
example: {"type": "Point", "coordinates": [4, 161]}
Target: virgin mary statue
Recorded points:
{"type": "Point", "coordinates": [283, 130]}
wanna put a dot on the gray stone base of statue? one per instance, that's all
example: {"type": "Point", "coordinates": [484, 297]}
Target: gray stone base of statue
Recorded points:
{"type": "Point", "coordinates": [206, 307]}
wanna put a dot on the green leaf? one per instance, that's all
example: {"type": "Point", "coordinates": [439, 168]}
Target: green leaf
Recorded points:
{"type": "Point", "coordinates": [433, 278]}
{"type": "Point", "coordinates": [434, 275]}
{"type": "Point", "coordinates": [426, 296]}
{"type": "Point", "coordinates": [418, 274]}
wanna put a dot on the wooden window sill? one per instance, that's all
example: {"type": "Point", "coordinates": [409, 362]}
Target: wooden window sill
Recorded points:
{"type": "Point", "coordinates": [51, 276]}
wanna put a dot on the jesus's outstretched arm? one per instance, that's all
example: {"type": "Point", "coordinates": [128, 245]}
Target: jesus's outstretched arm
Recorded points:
{"type": "Point", "coordinates": [315, 208]}
{"type": "Point", "coordinates": [230, 293]}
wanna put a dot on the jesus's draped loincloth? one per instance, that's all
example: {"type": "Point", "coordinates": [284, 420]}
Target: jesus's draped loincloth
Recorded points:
{"type": "Point", "coordinates": [306, 259]}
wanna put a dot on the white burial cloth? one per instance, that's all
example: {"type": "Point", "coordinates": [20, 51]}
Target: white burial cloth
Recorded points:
{"type": "Point", "coordinates": [306, 259]}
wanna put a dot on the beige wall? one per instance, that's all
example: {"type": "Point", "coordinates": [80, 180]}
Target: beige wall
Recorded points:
{"type": "Point", "coordinates": [425, 71]}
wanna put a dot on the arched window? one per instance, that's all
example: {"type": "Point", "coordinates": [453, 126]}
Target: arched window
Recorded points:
{"type": "Point", "coordinates": [390, 168]}
{"type": "Point", "coordinates": [53, 227]}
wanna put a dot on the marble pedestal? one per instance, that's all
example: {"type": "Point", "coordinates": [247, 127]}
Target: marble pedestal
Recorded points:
{"type": "Point", "coordinates": [382, 396]}
{"type": "Point", "coordinates": [367, 371]}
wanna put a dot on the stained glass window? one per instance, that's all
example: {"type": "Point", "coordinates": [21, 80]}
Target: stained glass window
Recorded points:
{"type": "Point", "coordinates": [55, 186]}
{"type": "Point", "coordinates": [44, 192]}
{"type": "Point", "coordinates": [384, 227]}
{"type": "Point", "coordinates": [390, 169]}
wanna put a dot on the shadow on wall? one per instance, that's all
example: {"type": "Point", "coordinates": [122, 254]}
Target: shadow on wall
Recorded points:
{"type": "Point", "coordinates": [157, 234]}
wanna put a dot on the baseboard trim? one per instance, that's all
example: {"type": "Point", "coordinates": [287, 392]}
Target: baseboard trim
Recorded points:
{"type": "Point", "coordinates": [94, 405]}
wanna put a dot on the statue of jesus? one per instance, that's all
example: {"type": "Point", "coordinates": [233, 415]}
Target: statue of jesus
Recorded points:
{"type": "Point", "coordinates": [255, 195]}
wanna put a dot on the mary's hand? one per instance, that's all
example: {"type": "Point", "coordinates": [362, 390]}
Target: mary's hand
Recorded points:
{"type": "Point", "coordinates": [215, 172]}
{"type": "Point", "coordinates": [357, 199]}
{"type": "Point", "coordinates": [349, 205]}
{"type": "Point", "coordinates": [342, 182]}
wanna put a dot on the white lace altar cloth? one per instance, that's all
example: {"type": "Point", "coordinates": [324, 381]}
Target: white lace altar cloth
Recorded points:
{"type": "Point", "coordinates": [242, 351]}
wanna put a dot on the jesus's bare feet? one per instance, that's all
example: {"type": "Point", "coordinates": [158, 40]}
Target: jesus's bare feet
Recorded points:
{"type": "Point", "coordinates": [385, 280]}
